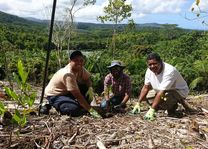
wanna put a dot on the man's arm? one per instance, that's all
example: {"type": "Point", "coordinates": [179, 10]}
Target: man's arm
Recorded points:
{"type": "Point", "coordinates": [125, 99]}
{"type": "Point", "coordinates": [128, 88]}
{"type": "Point", "coordinates": [107, 87]}
{"type": "Point", "coordinates": [143, 93]}
{"type": "Point", "coordinates": [80, 98]}
{"type": "Point", "coordinates": [157, 99]}
{"type": "Point", "coordinates": [142, 96]}
{"type": "Point", "coordinates": [88, 82]}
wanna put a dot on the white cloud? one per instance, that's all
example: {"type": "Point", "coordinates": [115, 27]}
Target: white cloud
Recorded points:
{"type": "Point", "coordinates": [92, 13]}
{"type": "Point", "coordinates": [157, 6]}
{"type": "Point", "coordinates": [85, 14]}
{"type": "Point", "coordinates": [42, 8]}
{"type": "Point", "coordinates": [24, 8]}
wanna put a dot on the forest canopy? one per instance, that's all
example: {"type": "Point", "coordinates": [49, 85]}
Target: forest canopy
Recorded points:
{"type": "Point", "coordinates": [27, 40]}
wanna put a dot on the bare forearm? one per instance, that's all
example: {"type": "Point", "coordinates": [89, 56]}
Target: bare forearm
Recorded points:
{"type": "Point", "coordinates": [125, 99]}
{"type": "Point", "coordinates": [80, 98]}
{"type": "Point", "coordinates": [157, 99]}
{"type": "Point", "coordinates": [143, 93]}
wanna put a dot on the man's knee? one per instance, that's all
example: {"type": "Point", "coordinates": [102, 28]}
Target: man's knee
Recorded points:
{"type": "Point", "coordinates": [64, 109]}
{"type": "Point", "coordinates": [169, 102]}
{"type": "Point", "coordinates": [67, 109]}
{"type": "Point", "coordinates": [116, 100]}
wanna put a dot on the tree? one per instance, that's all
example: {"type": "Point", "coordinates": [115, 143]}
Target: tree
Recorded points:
{"type": "Point", "coordinates": [200, 14]}
{"type": "Point", "coordinates": [115, 12]}
{"type": "Point", "coordinates": [65, 28]}
{"type": "Point", "coordinates": [131, 26]}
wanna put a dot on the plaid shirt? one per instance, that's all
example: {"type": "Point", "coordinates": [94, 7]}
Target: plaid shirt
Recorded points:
{"type": "Point", "coordinates": [119, 86]}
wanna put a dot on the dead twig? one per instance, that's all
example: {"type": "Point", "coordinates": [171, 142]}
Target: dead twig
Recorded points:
{"type": "Point", "coordinates": [73, 137]}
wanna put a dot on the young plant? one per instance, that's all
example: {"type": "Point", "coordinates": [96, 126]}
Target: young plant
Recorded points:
{"type": "Point", "coordinates": [2, 109]}
{"type": "Point", "coordinates": [24, 97]}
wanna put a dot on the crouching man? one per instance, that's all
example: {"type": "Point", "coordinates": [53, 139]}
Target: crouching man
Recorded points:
{"type": "Point", "coordinates": [117, 88]}
{"type": "Point", "coordinates": [169, 85]}
{"type": "Point", "coordinates": [67, 89]}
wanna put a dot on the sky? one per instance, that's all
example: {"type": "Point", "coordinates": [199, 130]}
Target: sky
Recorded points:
{"type": "Point", "coordinates": [144, 11]}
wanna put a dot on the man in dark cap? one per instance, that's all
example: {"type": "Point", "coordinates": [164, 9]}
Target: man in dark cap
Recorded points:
{"type": "Point", "coordinates": [117, 88]}
{"type": "Point", "coordinates": [67, 89]}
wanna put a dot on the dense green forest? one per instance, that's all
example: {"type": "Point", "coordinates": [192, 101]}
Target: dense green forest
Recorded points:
{"type": "Point", "coordinates": [27, 40]}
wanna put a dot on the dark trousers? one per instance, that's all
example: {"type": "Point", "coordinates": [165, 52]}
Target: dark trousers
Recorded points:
{"type": "Point", "coordinates": [67, 104]}
{"type": "Point", "coordinates": [169, 101]}
{"type": "Point", "coordinates": [114, 101]}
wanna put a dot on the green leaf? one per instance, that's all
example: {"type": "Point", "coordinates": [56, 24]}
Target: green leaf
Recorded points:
{"type": "Point", "coordinates": [30, 100]}
{"type": "Point", "coordinates": [23, 121]}
{"type": "Point", "coordinates": [23, 74]}
{"type": "Point", "coordinates": [16, 79]}
{"type": "Point", "coordinates": [195, 82]}
{"type": "Point", "coordinates": [17, 117]}
{"type": "Point", "coordinates": [11, 93]}
{"type": "Point", "coordinates": [2, 108]}
{"type": "Point", "coordinates": [20, 120]}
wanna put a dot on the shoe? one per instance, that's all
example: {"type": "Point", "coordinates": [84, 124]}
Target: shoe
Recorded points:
{"type": "Point", "coordinates": [191, 111]}
{"type": "Point", "coordinates": [45, 109]}
{"type": "Point", "coordinates": [176, 114]}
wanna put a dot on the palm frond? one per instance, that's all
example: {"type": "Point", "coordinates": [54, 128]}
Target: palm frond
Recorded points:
{"type": "Point", "coordinates": [195, 82]}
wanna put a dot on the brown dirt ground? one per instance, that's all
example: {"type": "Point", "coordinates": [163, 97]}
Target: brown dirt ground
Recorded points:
{"type": "Point", "coordinates": [121, 131]}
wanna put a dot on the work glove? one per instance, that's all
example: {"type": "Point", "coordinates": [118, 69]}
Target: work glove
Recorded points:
{"type": "Point", "coordinates": [136, 109]}
{"type": "Point", "coordinates": [120, 106]}
{"type": "Point", "coordinates": [90, 93]}
{"type": "Point", "coordinates": [94, 113]}
{"type": "Point", "coordinates": [150, 115]}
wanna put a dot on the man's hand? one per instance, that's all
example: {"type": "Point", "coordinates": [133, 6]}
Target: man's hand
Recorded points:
{"type": "Point", "coordinates": [136, 109]}
{"type": "Point", "coordinates": [120, 106]}
{"type": "Point", "coordinates": [94, 113]}
{"type": "Point", "coordinates": [150, 115]}
{"type": "Point", "coordinates": [90, 93]}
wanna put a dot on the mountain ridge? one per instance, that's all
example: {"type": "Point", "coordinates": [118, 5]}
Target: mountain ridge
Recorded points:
{"type": "Point", "coordinates": [9, 18]}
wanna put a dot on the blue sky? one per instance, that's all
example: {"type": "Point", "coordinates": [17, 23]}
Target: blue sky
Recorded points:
{"type": "Point", "coordinates": [144, 11]}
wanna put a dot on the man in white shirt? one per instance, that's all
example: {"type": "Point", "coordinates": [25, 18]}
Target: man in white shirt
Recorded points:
{"type": "Point", "coordinates": [168, 84]}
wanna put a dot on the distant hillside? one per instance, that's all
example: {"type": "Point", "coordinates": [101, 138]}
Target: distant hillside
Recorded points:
{"type": "Point", "coordinates": [82, 25]}
{"type": "Point", "coordinates": [8, 18]}
{"type": "Point", "coordinates": [87, 26]}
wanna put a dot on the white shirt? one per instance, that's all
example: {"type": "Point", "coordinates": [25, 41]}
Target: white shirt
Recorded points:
{"type": "Point", "coordinates": [168, 79]}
